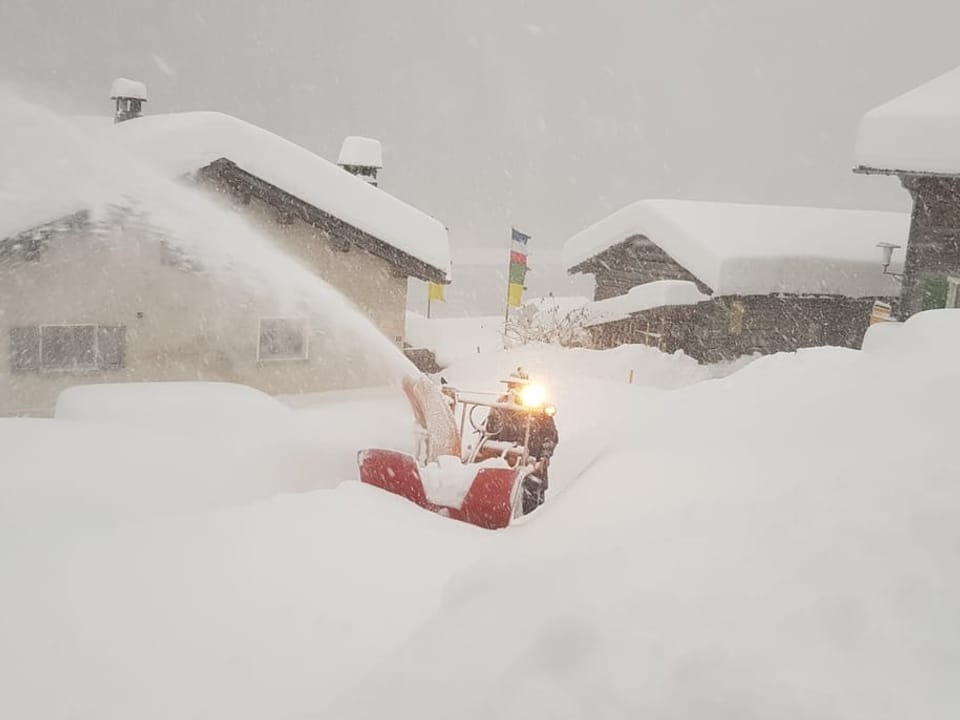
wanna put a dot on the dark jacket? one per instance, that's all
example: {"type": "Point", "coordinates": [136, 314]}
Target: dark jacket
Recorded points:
{"type": "Point", "coordinates": [512, 426]}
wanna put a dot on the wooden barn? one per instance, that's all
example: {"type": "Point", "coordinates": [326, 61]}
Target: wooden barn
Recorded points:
{"type": "Point", "coordinates": [722, 280]}
{"type": "Point", "coordinates": [916, 137]}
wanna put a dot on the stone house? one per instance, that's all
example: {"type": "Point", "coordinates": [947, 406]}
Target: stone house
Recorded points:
{"type": "Point", "coordinates": [721, 280]}
{"type": "Point", "coordinates": [105, 297]}
{"type": "Point", "coordinates": [916, 137]}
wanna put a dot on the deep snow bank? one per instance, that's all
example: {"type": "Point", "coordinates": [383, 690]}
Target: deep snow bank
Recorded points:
{"type": "Point", "coordinates": [780, 543]}
{"type": "Point", "coordinates": [453, 338]}
{"type": "Point", "coordinates": [207, 407]}
{"type": "Point", "coordinates": [118, 454]}
{"type": "Point", "coordinates": [646, 366]}
{"type": "Point", "coordinates": [261, 611]}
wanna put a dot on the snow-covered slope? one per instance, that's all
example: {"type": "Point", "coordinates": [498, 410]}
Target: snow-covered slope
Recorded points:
{"type": "Point", "coordinates": [453, 338]}
{"type": "Point", "coordinates": [780, 542]}
{"type": "Point", "coordinates": [124, 453]}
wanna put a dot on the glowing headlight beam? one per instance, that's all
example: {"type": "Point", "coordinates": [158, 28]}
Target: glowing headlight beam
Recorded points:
{"type": "Point", "coordinates": [533, 396]}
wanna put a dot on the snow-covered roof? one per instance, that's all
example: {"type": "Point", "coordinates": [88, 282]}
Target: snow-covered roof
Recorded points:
{"type": "Point", "coordinates": [180, 143]}
{"type": "Point", "coordinates": [361, 152]}
{"type": "Point", "coordinates": [644, 297]}
{"type": "Point", "coordinates": [739, 249]}
{"type": "Point", "coordinates": [122, 87]}
{"type": "Point", "coordinates": [918, 131]}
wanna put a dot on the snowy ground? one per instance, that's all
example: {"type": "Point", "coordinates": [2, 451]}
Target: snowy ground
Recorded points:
{"type": "Point", "coordinates": [780, 542]}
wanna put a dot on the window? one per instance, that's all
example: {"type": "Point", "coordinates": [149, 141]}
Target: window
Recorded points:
{"type": "Point", "coordinates": [282, 339]}
{"type": "Point", "coordinates": [953, 292]}
{"type": "Point", "coordinates": [935, 293]}
{"type": "Point", "coordinates": [24, 349]}
{"type": "Point", "coordinates": [111, 347]}
{"type": "Point", "coordinates": [67, 348]}
{"type": "Point", "coordinates": [737, 311]}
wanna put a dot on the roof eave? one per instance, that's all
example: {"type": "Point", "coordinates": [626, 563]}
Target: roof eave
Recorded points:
{"type": "Point", "coordinates": [634, 314]}
{"type": "Point", "coordinates": [871, 170]}
{"type": "Point", "coordinates": [403, 261]}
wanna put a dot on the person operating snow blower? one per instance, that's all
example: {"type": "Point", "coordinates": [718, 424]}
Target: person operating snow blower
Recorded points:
{"type": "Point", "coordinates": [486, 478]}
{"type": "Point", "coordinates": [536, 431]}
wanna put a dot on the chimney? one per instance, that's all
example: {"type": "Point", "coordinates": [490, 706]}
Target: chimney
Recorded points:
{"type": "Point", "coordinates": [361, 156]}
{"type": "Point", "coordinates": [129, 96]}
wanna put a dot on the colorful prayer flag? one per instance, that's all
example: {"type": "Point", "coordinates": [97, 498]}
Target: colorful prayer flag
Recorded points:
{"type": "Point", "coordinates": [881, 312]}
{"type": "Point", "coordinates": [518, 267]}
{"type": "Point", "coordinates": [518, 273]}
{"type": "Point", "coordinates": [519, 240]}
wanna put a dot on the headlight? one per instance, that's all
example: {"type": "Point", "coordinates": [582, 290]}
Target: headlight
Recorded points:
{"type": "Point", "coordinates": [532, 396]}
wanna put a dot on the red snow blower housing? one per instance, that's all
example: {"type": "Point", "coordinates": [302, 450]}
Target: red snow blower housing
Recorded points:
{"type": "Point", "coordinates": [486, 479]}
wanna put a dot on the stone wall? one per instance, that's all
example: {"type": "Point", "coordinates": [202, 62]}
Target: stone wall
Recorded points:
{"type": "Point", "coordinates": [933, 250]}
{"type": "Point", "coordinates": [424, 359]}
{"type": "Point", "coordinates": [728, 327]}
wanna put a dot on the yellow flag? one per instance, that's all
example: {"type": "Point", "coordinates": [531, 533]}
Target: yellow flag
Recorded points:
{"type": "Point", "coordinates": [435, 292]}
{"type": "Point", "coordinates": [515, 298]}
{"type": "Point", "coordinates": [881, 312]}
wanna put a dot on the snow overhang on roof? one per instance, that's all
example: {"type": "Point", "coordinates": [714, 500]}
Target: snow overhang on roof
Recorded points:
{"type": "Point", "coordinates": [915, 133]}
{"type": "Point", "coordinates": [182, 143]}
{"type": "Point", "coordinates": [122, 87]}
{"type": "Point", "coordinates": [739, 249]}
{"type": "Point", "coordinates": [661, 293]}
{"type": "Point", "coordinates": [361, 152]}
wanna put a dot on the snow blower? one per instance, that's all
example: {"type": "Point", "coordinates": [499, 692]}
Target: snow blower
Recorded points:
{"type": "Point", "coordinates": [480, 482]}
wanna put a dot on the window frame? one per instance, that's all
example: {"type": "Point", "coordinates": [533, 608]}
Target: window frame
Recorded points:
{"type": "Point", "coordinates": [953, 292]}
{"type": "Point", "coordinates": [305, 333]}
{"type": "Point", "coordinates": [109, 349]}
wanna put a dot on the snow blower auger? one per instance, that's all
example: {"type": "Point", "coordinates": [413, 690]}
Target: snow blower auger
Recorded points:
{"type": "Point", "coordinates": [481, 482]}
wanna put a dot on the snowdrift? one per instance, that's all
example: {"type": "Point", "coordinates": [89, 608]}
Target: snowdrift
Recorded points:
{"type": "Point", "coordinates": [780, 542]}
{"type": "Point", "coordinates": [454, 338]}
{"type": "Point", "coordinates": [211, 407]}
{"type": "Point", "coordinates": [128, 452]}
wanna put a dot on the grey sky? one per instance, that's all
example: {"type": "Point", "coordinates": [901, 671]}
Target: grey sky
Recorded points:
{"type": "Point", "coordinates": [544, 114]}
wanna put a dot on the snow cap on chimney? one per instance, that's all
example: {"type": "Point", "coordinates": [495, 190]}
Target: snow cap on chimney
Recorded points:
{"type": "Point", "coordinates": [361, 156]}
{"type": "Point", "coordinates": [129, 96]}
